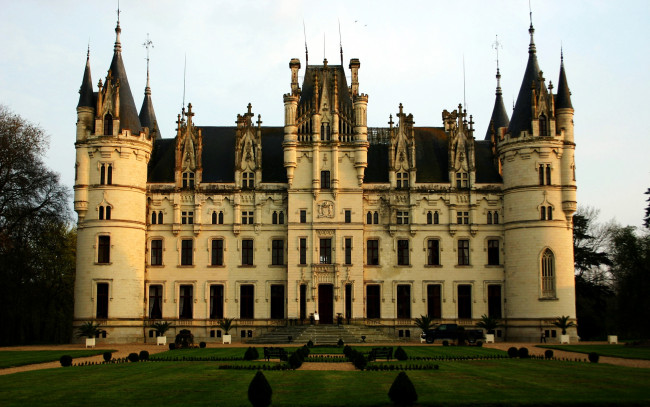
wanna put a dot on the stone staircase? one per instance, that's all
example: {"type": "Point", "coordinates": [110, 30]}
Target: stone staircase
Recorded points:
{"type": "Point", "coordinates": [323, 335]}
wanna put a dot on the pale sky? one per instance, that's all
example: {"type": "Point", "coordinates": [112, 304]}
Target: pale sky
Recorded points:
{"type": "Point", "coordinates": [411, 52]}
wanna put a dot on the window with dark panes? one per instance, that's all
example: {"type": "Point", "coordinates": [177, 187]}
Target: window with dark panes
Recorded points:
{"type": "Point", "coordinates": [403, 252]}
{"type": "Point", "coordinates": [187, 252]}
{"type": "Point", "coordinates": [277, 252]}
{"type": "Point", "coordinates": [185, 302]}
{"type": "Point", "coordinates": [156, 252]}
{"type": "Point", "coordinates": [433, 252]}
{"type": "Point", "coordinates": [155, 301]}
{"type": "Point", "coordinates": [493, 252]}
{"type": "Point", "coordinates": [216, 301]}
{"type": "Point", "coordinates": [303, 250]}
{"type": "Point", "coordinates": [217, 252]}
{"type": "Point", "coordinates": [463, 252]}
{"type": "Point", "coordinates": [247, 252]}
{"type": "Point", "coordinates": [326, 251]}
{"type": "Point", "coordinates": [372, 252]}
{"type": "Point", "coordinates": [104, 249]}
{"type": "Point", "coordinates": [348, 250]}
{"type": "Point", "coordinates": [102, 300]}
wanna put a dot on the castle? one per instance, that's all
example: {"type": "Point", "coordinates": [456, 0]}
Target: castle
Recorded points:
{"type": "Point", "coordinates": [270, 225]}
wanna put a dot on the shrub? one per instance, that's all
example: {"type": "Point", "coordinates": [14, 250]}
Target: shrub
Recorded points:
{"type": "Point", "coordinates": [548, 354]}
{"type": "Point", "coordinates": [251, 354]}
{"type": "Point", "coordinates": [400, 354]}
{"type": "Point", "coordinates": [295, 360]}
{"type": "Point", "coordinates": [593, 357]}
{"type": "Point", "coordinates": [445, 343]}
{"type": "Point", "coordinates": [259, 391]}
{"type": "Point", "coordinates": [479, 344]}
{"type": "Point", "coordinates": [340, 342]}
{"type": "Point", "coordinates": [202, 345]}
{"type": "Point", "coordinates": [107, 356]}
{"type": "Point", "coordinates": [346, 350]}
{"type": "Point", "coordinates": [133, 357]}
{"type": "Point", "coordinates": [402, 392]}
{"type": "Point", "coordinates": [304, 351]}
{"type": "Point", "coordinates": [184, 338]}
{"type": "Point", "coordinates": [144, 355]}
{"type": "Point", "coordinates": [66, 360]}
{"type": "Point", "coordinates": [522, 353]}
{"type": "Point", "coordinates": [310, 344]}
{"type": "Point", "coordinates": [512, 352]}
{"type": "Point", "coordinates": [360, 361]}
{"type": "Point", "coordinates": [172, 346]}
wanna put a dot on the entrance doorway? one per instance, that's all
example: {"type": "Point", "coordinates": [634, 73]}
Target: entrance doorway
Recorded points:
{"type": "Point", "coordinates": [326, 303]}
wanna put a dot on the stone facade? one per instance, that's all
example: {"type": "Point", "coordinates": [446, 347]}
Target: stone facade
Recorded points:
{"type": "Point", "coordinates": [269, 225]}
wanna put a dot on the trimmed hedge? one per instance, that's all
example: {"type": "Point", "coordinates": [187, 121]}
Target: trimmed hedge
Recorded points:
{"type": "Point", "coordinates": [66, 360]}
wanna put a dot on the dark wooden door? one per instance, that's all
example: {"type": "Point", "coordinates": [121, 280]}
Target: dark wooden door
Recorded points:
{"type": "Point", "coordinates": [326, 303]}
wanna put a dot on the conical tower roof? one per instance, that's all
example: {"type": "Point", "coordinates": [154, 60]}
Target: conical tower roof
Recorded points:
{"type": "Point", "coordinates": [128, 112]}
{"type": "Point", "coordinates": [522, 115]}
{"type": "Point", "coordinates": [499, 115]}
{"type": "Point", "coordinates": [86, 95]}
{"type": "Point", "coordinates": [147, 114]}
{"type": "Point", "coordinates": [563, 97]}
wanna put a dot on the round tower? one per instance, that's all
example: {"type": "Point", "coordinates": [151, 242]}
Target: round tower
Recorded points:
{"type": "Point", "coordinates": [110, 199]}
{"type": "Point", "coordinates": [539, 271]}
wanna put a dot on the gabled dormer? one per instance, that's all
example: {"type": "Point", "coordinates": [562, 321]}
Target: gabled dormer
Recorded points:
{"type": "Point", "coordinates": [401, 152]}
{"type": "Point", "coordinates": [462, 164]}
{"type": "Point", "coordinates": [248, 151]}
{"type": "Point", "coordinates": [189, 148]}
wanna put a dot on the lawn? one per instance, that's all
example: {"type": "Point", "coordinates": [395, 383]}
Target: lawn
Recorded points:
{"type": "Point", "coordinates": [485, 382]}
{"type": "Point", "coordinates": [617, 351]}
{"type": "Point", "coordinates": [12, 358]}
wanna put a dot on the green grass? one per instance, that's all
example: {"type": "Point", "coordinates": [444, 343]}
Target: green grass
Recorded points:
{"type": "Point", "coordinates": [486, 382]}
{"type": "Point", "coordinates": [617, 351]}
{"type": "Point", "coordinates": [13, 358]}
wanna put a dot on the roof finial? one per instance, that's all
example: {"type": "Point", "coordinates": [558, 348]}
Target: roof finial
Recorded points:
{"type": "Point", "coordinates": [147, 44]}
{"type": "Point", "coordinates": [531, 30]}
{"type": "Point", "coordinates": [304, 31]}
{"type": "Point", "coordinates": [340, 43]}
{"type": "Point", "coordinates": [496, 45]}
{"type": "Point", "coordinates": [561, 54]}
{"type": "Point", "coordinates": [118, 30]}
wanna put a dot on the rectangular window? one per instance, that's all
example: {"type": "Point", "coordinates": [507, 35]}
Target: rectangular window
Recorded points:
{"type": "Point", "coordinates": [187, 217]}
{"type": "Point", "coordinates": [348, 216]}
{"type": "Point", "coordinates": [461, 180]}
{"type": "Point", "coordinates": [325, 180]}
{"type": "Point", "coordinates": [402, 180]}
{"type": "Point", "coordinates": [187, 252]}
{"type": "Point", "coordinates": [188, 180]}
{"type": "Point", "coordinates": [464, 301]}
{"type": "Point", "coordinates": [303, 250]}
{"type": "Point", "coordinates": [277, 301]}
{"type": "Point", "coordinates": [433, 252]}
{"type": "Point", "coordinates": [434, 301]}
{"type": "Point", "coordinates": [247, 217]}
{"type": "Point", "coordinates": [247, 252]}
{"type": "Point", "coordinates": [104, 249]}
{"type": "Point", "coordinates": [303, 301]}
{"type": "Point", "coordinates": [403, 301]}
{"type": "Point", "coordinates": [248, 180]}
{"type": "Point", "coordinates": [541, 174]}
{"type": "Point", "coordinates": [348, 301]}
{"type": "Point", "coordinates": [463, 252]}
{"type": "Point", "coordinates": [373, 301]}
{"type": "Point", "coordinates": [348, 250]}
{"type": "Point", "coordinates": [186, 302]}
{"type": "Point", "coordinates": [493, 252]}
{"type": "Point", "coordinates": [247, 301]}
{"type": "Point", "coordinates": [494, 301]}
{"type": "Point", "coordinates": [402, 217]}
{"type": "Point", "coordinates": [277, 252]}
{"type": "Point", "coordinates": [155, 301]}
{"type": "Point", "coordinates": [303, 216]}
{"type": "Point", "coordinates": [462, 218]}
{"type": "Point", "coordinates": [403, 252]}
{"type": "Point", "coordinates": [325, 251]}
{"type": "Point", "coordinates": [102, 300]}
{"type": "Point", "coordinates": [217, 252]}
{"type": "Point", "coordinates": [156, 252]}
{"type": "Point", "coordinates": [372, 252]}
{"type": "Point", "coordinates": [216, 301]}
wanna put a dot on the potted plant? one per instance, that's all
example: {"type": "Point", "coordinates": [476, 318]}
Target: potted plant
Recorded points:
{"type": "Point", "coordinates": [161, 328]}
{"type": "Point", "coordinates": [489, 324]}
{"type": "Point", "coordinates": [226, 324]}
{"type": "Point", "coordinates": [563, 323]}
{"type": "Point", "coordinates": [90, 331]}
{"type": "Point", "coordinates": [425, 323]}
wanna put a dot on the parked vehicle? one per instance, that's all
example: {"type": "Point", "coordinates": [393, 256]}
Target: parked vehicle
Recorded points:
{"type": "Point", "coordinates": [453, 332]}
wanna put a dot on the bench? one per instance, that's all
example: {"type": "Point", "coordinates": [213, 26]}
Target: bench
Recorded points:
{"type": "Point", "coordinates": [275, 353]}
{"type": "Point", "coordinates": [380, 353]}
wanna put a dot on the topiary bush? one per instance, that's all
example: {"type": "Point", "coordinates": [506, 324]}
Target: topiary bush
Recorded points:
{"type": "Point", "coordinates": [346, 350]}
{"type": "Point", "coordinates": [400, 354]}
{"type": "Point", "coordinates": [184, 339]}
{"type": "Point", "coordinates": [295, 360]}
{"type": "Point", "coordinates": [593, 357]}
{"type": "Point", "coordinates": [310, 344]}
{"type": "Point", "coordinates": [548, 354]}
{"type": "Point", "coordinates": [133, 357]}
{"type": "Point", "coordinates": [172, 346]}
{"type": "Point", "coordinates": [512, 352]}
{"type": "Point", "coordinates": [522, 353]}
{"type": "Point", "coordinates": [360, 361]}
{"type": "Point", "coordinates": [402, 392]}
{"type": "Point", "coordinates": [66, 360]}
{"type": "Point", "coordinates": [251, 354]}
{"type": "Point", "coordinates": [144, 355]}
{"type": "Point", "coordinates": [340, 342]}
{"type": "Point", "coordinates": [259, 391]}
{"type": "Point", "coordinates": [445, 343]}
{"type": "Point", "coordinates": [202, 345]}
{"type": "Point", "coordinates": [107, 356]}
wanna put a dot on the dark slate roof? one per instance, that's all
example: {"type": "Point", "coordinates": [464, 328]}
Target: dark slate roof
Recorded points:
{"type": "Point", "coordinates": [147, 114]}
{"type": "Point", "coordinates": [128, 112]}
{"type": "Point", "coordinates": [431, 154]}
{"type": "Point", "coordinates": [486, 171]}
{"type": "Point", "coordinates": [219, 154]}
{"type": "Point", "coordinates": [563, 97]}
{"type": "Point", "coordinates": [307, 91]}
{"type": "Point", "coordinates": [86, 96]}
{"type": "Point", "coordinates": [273, 155]}
{"type": "Point", "coordinates": [377, 170]}
{"type": "Point", "coordinates": [499, 116]}
{"type": "Point", "coordinates": [522, 115]}
{"type": "Point", "coordinates": [163, 161]}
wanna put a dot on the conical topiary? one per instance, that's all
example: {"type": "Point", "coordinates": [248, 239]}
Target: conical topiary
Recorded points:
{"type": "Point", "coordinates": [259, 391]}
{"type": "Point", "coordinates": [402, 392]}
{"type": "Point", "coordinates": [400, 354]}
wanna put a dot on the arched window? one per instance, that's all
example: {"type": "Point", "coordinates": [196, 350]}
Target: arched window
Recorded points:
{"type": "Point", "coordinates": [543, 126]}
{"type": "Point", "coordinates": [221, 218]}
{"type": "Point", "coordinates": [281, 218]}
{"type": "Point", "coordinates": [108, 212]}
{"type": "Point", "coordinates": [549, 213]}
{"type": "Point", "coordinates": [369, 218]}
{"type": "Point", "coordinates": [153, 218]}
{"type": "Point", "coordinates": [548, 274]}
{"type": "Point", "coordinates": [160, 218]}
{"type": "Point", "coordinates": [376, 218]}
{"type": "Point", "coordinates": [429, 218]}
{"type": "Point", "coordinates": [109, 174]}
{"type": "Point", "coordinates": [108, 125]}
{"type": "Point", "coordinates": [274, 218]}
{"type": "Point", "coordinates": [101, 212]}
{"type": "Point", "coordinates": [496, 218]}
{"type": "Point", "coordinates": [436, 218]}
{"type": "Point", "coordinates": [489, 218]}
{"type": "Point", "coordinates": [542, 214]}
{"type": "Point", "coordinates": [214, 218]}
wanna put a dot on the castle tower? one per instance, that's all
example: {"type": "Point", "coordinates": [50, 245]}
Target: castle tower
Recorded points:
{"type": "Point", "coordinates": [536, 154]}
{"type": "Point", "coordinates": [110, 198]}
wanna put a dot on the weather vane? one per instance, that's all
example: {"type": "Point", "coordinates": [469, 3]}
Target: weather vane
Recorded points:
{"type": "Point", "coordinates": [496, 45]}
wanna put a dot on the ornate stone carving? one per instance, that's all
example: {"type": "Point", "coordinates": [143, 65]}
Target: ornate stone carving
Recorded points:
{"type": "Point", "coordinates": [326, 209]}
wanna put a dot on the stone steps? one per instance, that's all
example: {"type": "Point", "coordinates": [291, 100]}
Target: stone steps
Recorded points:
{"type": "Point", "coordinates": [323, 335]}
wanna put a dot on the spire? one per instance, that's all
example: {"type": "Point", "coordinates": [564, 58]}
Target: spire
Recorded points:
{"type": "Point", "coordinates": [118, 31]}
{"type": "Point", "coordinates": [147, 115]}
{"type": "Point", "coordinates": [86, 95]}
{"type": "Point", "coordinates": [499, 115]}
{"type": "Point", "coordinates": [563, 97]}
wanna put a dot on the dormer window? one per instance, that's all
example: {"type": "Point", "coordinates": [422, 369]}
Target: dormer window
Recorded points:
{"type": "Point", "coordinates": [188, 180]}
{"type": "Point", "coordinates": [543, 126]}
{"type": "Point", "coordinates": [462, 180]}
{"type": "Point", "coordinates": [248, 180]}
{"type": "Point", "coordinates": [108, 125]}
{"type": "Point", "coordinates": [402, 180]}
{"type": "Point", "coordinates": [325, 134]}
